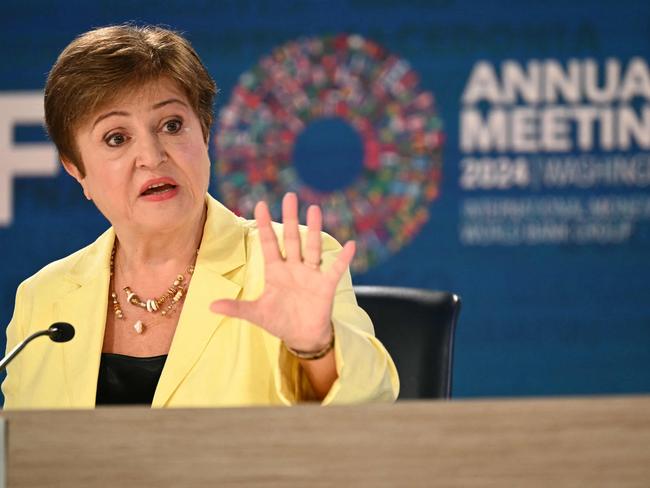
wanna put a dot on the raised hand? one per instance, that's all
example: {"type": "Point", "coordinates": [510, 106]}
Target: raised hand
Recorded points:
{"type": "Point", "coordinates": [296, 303]}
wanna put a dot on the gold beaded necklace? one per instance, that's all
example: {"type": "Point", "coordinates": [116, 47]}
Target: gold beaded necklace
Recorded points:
{"type": "Point", "coordinates": [172, 297]}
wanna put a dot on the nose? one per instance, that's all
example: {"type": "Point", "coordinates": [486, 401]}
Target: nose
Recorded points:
{"type": "Point", "coordinates": [150, 151]}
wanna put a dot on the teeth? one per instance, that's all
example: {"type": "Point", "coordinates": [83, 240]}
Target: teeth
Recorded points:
{"type": "Point", "coordinates": [157, 185]}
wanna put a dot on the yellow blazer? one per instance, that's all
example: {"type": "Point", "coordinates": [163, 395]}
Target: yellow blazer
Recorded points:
{"type": "Point", "coordinates": [213, 360]}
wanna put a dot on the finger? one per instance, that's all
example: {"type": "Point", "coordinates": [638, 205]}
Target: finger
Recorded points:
{"type": "Point", "coordinates": [342, 262]}
{"type": "Point", "coordinates": [235, 308]}
{"type": "Point", "coordinates": [313, 246]}
{"type": "Point", "coordinates": [290, 227]}
{"type": "Point", "coordinates": [268, 240]}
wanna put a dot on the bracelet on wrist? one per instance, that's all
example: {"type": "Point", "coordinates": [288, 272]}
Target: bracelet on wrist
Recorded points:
{"type": "Point", "coordinates": [310, 356]}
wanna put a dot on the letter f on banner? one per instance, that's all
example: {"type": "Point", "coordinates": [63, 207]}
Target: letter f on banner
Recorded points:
{"type": "Point", "coordinates": [21, 159]}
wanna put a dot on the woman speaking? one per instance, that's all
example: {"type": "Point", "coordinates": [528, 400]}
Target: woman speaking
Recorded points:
{"type": "Point", "coordinates": [180, 303]}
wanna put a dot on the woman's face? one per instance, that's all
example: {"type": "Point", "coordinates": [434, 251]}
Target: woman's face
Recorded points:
{"type": "Point", "coordinates": [147, 164]}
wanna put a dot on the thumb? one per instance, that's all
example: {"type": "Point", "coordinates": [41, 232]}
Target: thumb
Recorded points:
{"type": "Point", "coordinates": [233, 308]}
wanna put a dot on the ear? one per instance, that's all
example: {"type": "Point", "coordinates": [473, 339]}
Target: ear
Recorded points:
{"type": "Point", "coordinates": [73, 171]}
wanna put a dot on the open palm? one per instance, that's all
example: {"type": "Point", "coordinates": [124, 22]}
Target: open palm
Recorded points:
{"type": "Point", "coordinates": [296, 303]}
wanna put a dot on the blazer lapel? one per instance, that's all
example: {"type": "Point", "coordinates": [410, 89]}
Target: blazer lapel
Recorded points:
{"type": "Point", "coordinates": [84, 306]}
{"type": "Point", "coordinates": [223, 250]}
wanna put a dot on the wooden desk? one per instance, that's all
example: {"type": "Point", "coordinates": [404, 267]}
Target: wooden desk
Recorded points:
{"type": "Point", "coordinates": [507, 443]}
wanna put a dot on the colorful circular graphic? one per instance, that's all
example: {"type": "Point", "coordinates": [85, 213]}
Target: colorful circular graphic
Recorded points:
{"type": "Point", "coordinates": [358, 81]}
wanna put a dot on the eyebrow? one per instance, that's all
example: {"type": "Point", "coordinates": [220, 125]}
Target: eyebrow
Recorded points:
{"type": "Point", "coordinates": [154, 106]}
{"type": "Point", "coordinates": [108, 114]}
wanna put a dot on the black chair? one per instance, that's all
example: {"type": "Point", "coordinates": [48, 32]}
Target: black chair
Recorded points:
{"type": "Point", "coordinates": [417, 327]}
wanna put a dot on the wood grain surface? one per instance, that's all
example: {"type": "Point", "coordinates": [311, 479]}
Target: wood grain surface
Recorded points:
{"type": "Point", "coordinates": [588, 442]}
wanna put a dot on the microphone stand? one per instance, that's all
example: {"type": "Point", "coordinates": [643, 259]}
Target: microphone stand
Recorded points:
{"type": "Point", "coordinates": [58, 332]}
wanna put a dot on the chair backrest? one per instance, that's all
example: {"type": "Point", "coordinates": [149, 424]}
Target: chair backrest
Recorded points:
{"type": "Point", "coordinates": [417, 327]}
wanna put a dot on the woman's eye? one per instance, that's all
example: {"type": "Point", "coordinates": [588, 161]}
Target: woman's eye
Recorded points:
{"type": "Point", "coordinates": [115, 140]}
{"type": "Point", "coordinates": [172, 126]}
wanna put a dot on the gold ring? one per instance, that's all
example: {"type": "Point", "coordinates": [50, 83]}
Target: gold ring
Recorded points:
{"type": "Point", "coordinates": [313, 265]}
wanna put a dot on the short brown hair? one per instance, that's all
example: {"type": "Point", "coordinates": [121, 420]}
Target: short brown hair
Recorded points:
{"type": "Point", "coordinates": [101, 64]}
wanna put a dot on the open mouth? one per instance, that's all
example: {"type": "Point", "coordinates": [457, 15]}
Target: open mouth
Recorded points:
{"type": "Point", "coordinates": [157, 189]}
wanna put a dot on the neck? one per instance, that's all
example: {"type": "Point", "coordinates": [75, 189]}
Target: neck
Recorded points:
{"type": "Point", "coordinates": [141, 251]}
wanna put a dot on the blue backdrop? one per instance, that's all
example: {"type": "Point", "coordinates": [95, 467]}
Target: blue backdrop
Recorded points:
{"type": "Point", "coordinates": [509, 146]}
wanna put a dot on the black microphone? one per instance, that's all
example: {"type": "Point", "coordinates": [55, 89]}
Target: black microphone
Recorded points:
{"type": "Point", "coordinates": [58, 332]}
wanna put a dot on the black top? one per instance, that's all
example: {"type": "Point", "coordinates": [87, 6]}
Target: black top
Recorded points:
{"type": "Point", "coordinates": [127, 379]}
